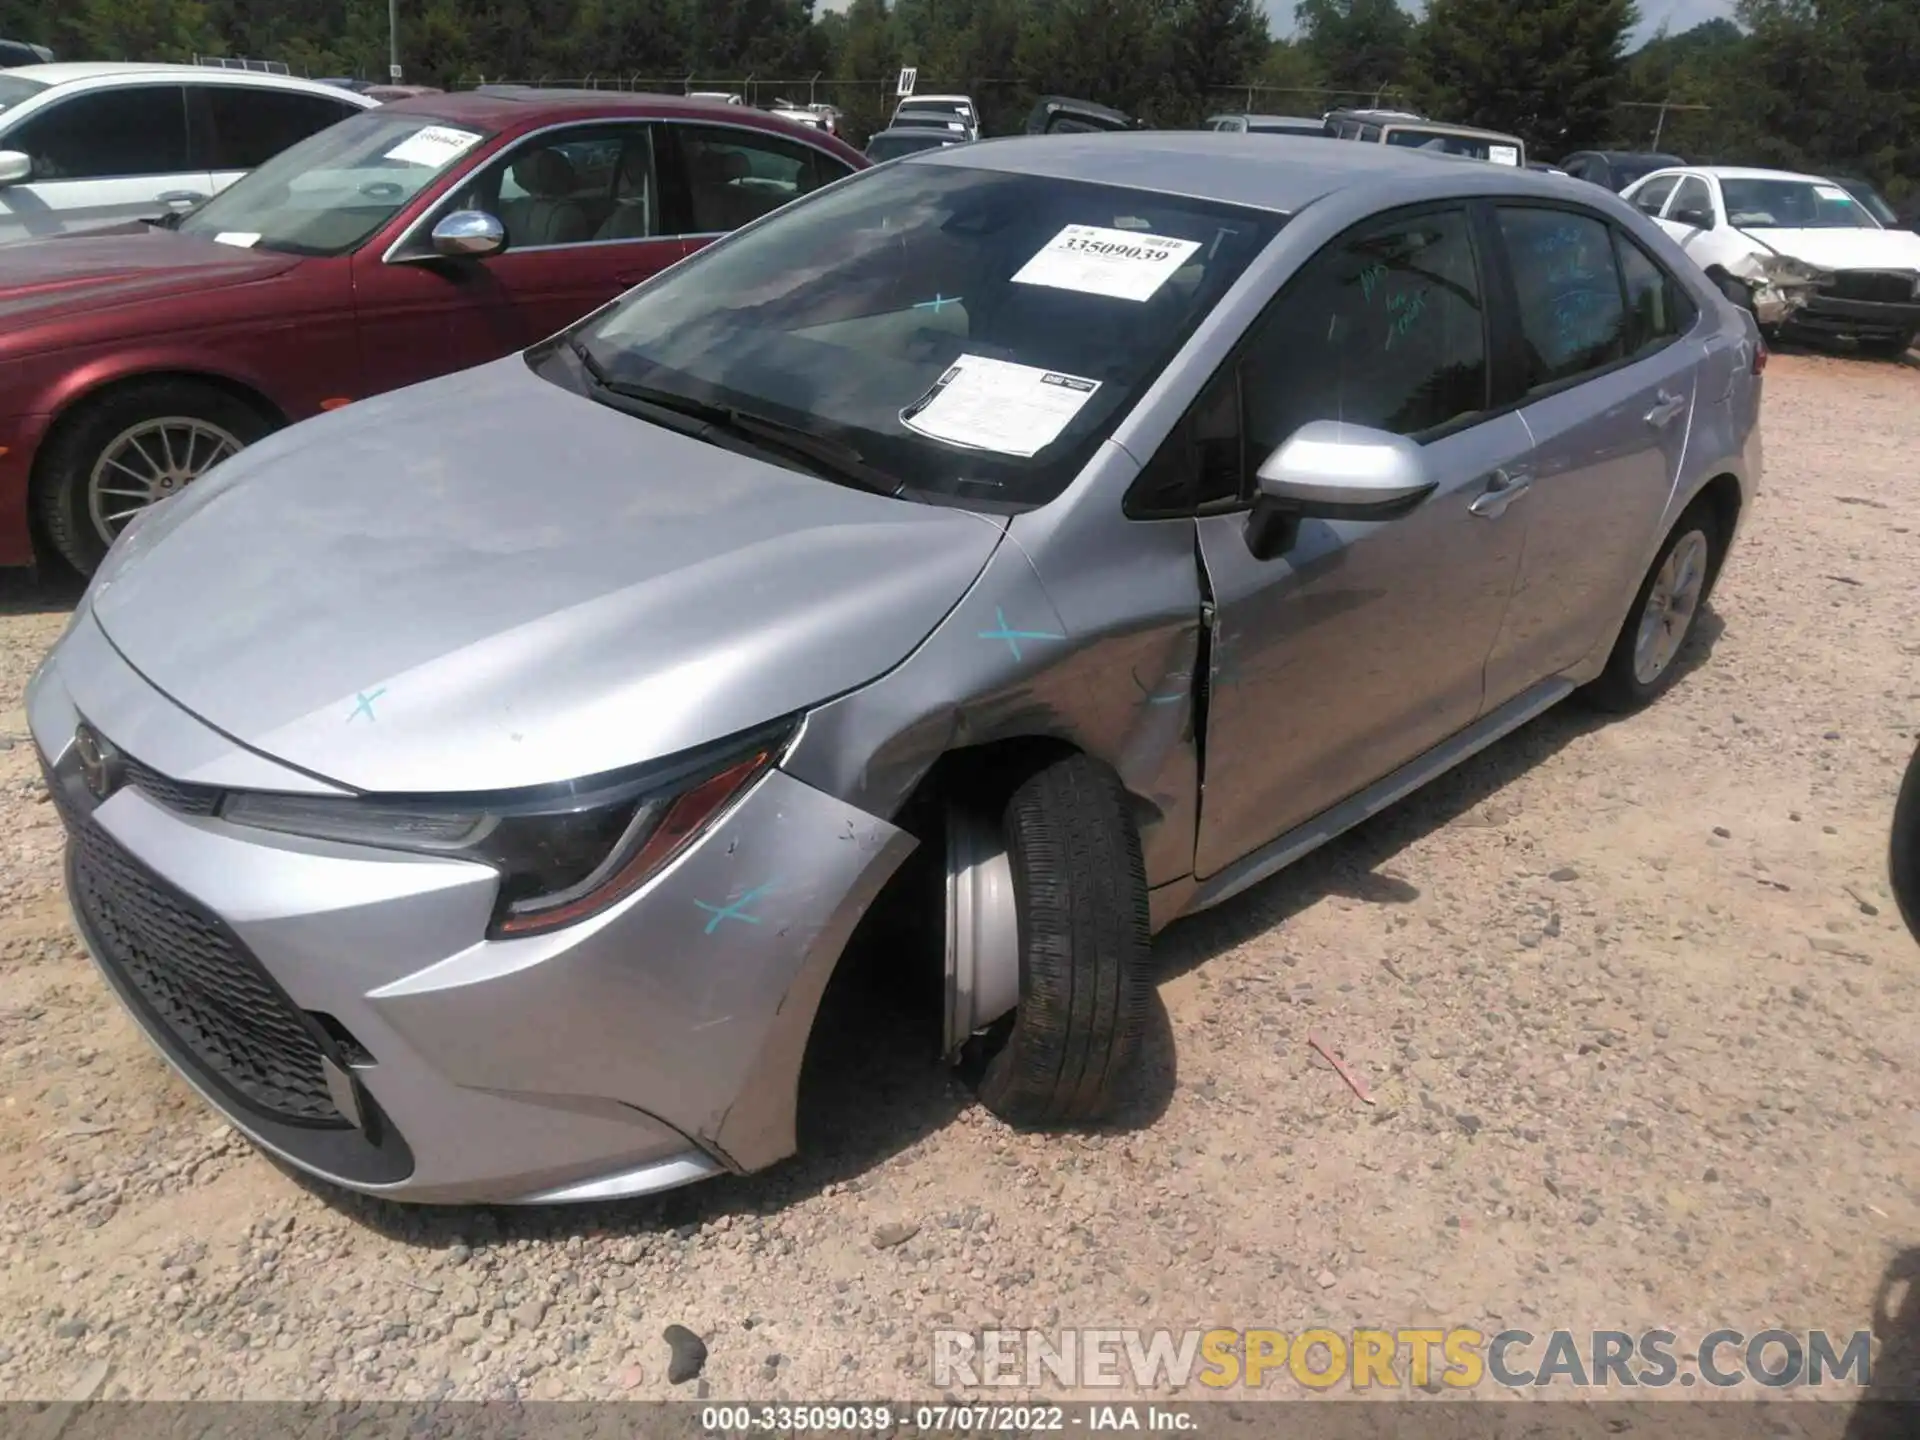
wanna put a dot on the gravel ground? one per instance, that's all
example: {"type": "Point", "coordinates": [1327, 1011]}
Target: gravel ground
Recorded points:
{"type": "Point", "coordinates": [1630, 995]}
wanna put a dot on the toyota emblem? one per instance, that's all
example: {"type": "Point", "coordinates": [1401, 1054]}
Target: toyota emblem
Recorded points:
{"type": "Point", "coordinates": [97, 768]}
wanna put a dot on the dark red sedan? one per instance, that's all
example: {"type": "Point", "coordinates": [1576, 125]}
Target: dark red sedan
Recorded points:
{"type": "Point", "coordinates": [405, 242]}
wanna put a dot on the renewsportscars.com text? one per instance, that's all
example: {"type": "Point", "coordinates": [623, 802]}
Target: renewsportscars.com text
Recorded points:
{"type": "Point", "coordinates": [1361, 1359]}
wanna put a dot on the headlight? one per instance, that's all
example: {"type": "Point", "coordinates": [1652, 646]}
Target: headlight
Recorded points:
{"type": "Point", "coordinates": [1794, 272]}
{"type": "Point", "coordinates": [563, 852]}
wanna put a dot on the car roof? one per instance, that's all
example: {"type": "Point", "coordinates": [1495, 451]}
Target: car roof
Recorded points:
{"type": "Point", "coordinates": [1280, 173]}
{"type": "Point", "coordinates": [503, 107]}
{"type": "Point", "coordinates": [73, 72]}
{"type": "Point", "coordinates": [1440, 127]}
{"type": "Point", "coordinates": [1252, 119]}
{"type": "Point", "coordinates": [1747, 172]}
{"type": "Point", "coordinates": [957, 99]}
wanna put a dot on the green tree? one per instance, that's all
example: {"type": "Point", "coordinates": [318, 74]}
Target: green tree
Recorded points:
{"type": "Point", "coordinates": [1547, 70]}
{"type": "Point", "coordinates": [1211, 45]}
{"type": "Point", "coordinates": [1357, 46]}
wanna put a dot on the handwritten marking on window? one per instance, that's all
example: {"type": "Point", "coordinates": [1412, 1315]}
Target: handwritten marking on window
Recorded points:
{"type": "Point", "coordinates": [1370, 279]}
{"type": "Point", "coordinates": [1403, 313]}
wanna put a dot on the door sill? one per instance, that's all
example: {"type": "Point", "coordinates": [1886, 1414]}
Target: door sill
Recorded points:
{"type": "Point", "coordinates": [1303, 839]}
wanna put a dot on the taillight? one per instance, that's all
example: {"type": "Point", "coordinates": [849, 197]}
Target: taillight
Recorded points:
{"type": "Point", "coordinates": [1760, 356]}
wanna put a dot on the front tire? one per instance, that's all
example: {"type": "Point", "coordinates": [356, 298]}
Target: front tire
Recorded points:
{"type": "Point", "coordinates": [1080, 893]}
{"type": "Point", "coordinates": [1659, 623]}
{"type": "Point", "coordinates": [130, 448]}
{"type": "Point", "coordinates": [1892, 348]}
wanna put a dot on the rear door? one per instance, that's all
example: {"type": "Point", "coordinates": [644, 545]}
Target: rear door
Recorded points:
{"type": "Point", "coordinates": [1596, 331]}
{"type": "Point", "coordinates": [237, 126]}
{"type": "Point", "coordinates": [101, 157]}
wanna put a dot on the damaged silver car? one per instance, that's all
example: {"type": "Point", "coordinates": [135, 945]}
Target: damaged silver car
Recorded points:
{"type": "Point", "coordinates": [471, 791]}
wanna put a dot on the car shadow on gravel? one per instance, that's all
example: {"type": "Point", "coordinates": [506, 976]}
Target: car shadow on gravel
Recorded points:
{"type": "Point", "coordinates": [1890, 1408]}
{"type": "Point", "coordinates": [873, 1085]}
{"type": "Point", "coordinates": [1353, 865]}
{"type": "Point", "coordinates": [46, 591]}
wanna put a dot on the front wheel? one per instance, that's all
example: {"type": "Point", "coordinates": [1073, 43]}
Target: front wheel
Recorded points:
{"type": "Point", "coordinates": [1641, 665]}
{"type": "Point", "coordinates": [131, 448]}
{"type": "Point", "coordinates": [1080, 895]}
{"type": "Point", "coordinates": [1903, 857]}
{"type": "Point", "coordinates": [1891, 347]}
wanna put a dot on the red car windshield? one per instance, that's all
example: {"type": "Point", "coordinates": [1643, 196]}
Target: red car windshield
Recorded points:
{"type": "Point", "coordinates": [327, 194]}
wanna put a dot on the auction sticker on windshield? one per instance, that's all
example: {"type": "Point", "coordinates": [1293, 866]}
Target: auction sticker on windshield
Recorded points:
{"type": "Point", "coordinates": [1097, 261]}
{"type": "Point", "coordinates": [999, 406]}
{"type": "Point", "coordinates": [1833, 192]}
{"type": "Point", "coordinates": [245, 239]}
{"type": "Point", "coordinates": [434, 146]}
{"type": "Point", "coordinates": [1503, 154]}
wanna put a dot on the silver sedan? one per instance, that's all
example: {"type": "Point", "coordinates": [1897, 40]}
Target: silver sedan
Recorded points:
{"type": "Point", "coordinates": [472, 790]}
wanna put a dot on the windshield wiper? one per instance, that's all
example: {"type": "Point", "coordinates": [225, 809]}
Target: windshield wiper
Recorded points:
{"type": "Point", "coordinates": [830, 458]}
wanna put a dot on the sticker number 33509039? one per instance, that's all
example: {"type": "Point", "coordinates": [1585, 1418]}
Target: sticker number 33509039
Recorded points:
{"type": "Point", "coordinates": [1094, 260]}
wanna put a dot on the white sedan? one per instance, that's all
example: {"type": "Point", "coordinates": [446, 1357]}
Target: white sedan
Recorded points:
{"type": "Point", "coordinates": [1799, 251]}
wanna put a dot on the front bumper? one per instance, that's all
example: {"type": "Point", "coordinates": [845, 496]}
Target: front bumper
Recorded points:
{"type": "Point", "coordinates": [1863, 319]}
{"type": "Point", "coordinates": [654, 1044]}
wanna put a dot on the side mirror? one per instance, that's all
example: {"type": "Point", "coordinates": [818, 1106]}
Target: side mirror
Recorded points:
{"type": "Point", "coordinates": [15, 167]}
{"type": "Point", "coordinates": [1330, 470]}
{"type": "Point", "coordinates": [1698, 219]}
{"type": "Point", "coordinates": [469, 234]}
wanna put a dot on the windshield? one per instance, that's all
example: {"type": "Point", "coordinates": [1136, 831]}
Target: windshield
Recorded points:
{"type": "Point", "coordinates": [1872, 202]}
{"type": "Point", "coordinates": [969, 334]}
{"type": "Point", "coordinates": [13, 90]}
{"type": "Point", "coordinates": [1476, 147]}
{"type": "Point", "coordinates": [334, 189]}
{"type": "Point", "coordinates": [1793, 205]}
{"type": "Point", "coordinates": [892, 147]}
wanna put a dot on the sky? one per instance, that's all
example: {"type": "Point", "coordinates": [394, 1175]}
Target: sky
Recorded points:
{"type": "Point", "coordinates": [1676, 15]}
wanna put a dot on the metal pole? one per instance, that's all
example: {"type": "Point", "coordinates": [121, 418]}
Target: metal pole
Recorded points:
{"type": "Point", "coordinates": [393, 40]}
{"type": "Point", "coordinates": [1659, 125]}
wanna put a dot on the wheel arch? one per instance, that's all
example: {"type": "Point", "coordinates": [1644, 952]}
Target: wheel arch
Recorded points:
{"type": "Point", "coordinates": [78, 401]}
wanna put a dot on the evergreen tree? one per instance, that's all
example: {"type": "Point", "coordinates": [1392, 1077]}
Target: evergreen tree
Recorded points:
{"type": "Point", "coordinates": [1547, 70]}
{"type": "Point", "coordinates": [1358, 46]}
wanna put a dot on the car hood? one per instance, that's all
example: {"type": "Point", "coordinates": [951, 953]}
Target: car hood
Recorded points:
{"type": "Point", "coordinates": [58, 276]}
{"type": "Point", "coordinates": [488, 581]}
{"type": "Point", "coordinates": [1831, 249]}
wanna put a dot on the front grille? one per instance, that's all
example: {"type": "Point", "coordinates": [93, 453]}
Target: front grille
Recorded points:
{"type": "Point", "coordinates": [174, 794]}
{"type": "Point", "coordinates": [1886, 287]}
{"type": "Point", "coordinates": [195, 977]}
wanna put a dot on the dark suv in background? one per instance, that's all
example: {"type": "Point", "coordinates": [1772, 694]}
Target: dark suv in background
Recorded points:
{"type": "Point", "coordinates": [1617, 169]}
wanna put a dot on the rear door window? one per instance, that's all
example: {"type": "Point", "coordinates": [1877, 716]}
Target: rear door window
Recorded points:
{"type": "Point", "coordinates": [107, 134]}
{"type": "Point", "coordinates": [1572, 316]}
{"type": "Point", "coordinates": [723, 177]}
{"type": "Point", "coordinates": [1658, 309]}
{"type": "Point", "coordinates": [241, 126]}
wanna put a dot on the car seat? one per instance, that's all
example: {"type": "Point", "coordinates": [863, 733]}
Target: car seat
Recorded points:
{"type": "Point", "coordinates": [547, 214]}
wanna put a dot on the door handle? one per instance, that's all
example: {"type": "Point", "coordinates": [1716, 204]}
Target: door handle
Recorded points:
{"type": "Point", "coordinates": [180, 198]}
{"type": "Point", "coordinates": [1503, 488]}
{"type": "Point", "coordinates": [1666, 409]}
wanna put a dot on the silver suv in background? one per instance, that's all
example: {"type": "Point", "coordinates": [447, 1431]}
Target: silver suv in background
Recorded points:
{"type": "Point", "coordinates": [94, 144]}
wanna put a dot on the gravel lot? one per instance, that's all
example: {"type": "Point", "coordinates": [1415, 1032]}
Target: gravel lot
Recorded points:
{"type": "Point", "coordinates": [1631, 996]}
